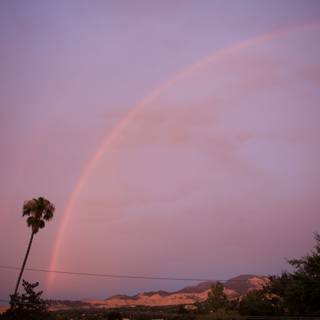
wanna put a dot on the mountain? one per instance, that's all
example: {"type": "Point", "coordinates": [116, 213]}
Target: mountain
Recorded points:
{"type": "Point", "coordinates": [244, 283]}
{"type": "Point", "coordinates": [233, 288]}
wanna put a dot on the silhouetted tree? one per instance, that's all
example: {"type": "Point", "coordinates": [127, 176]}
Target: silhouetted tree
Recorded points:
{"type": "Point", "coordinates": [258, 303]}
{"type": "Point", "coordinates": [28, 306]}
{"type": "Point", "coordinates": [299, 292]}
{"type": "Point", "coordinates": [37, 211]}
{"type": "Point", "coordinates": [216, 298]}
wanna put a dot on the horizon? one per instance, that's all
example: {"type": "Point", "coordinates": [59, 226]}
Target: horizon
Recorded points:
{"type": "Point", "coordinates": [194, 283]}
{"type": "Point", "coordinates": [176, 139]}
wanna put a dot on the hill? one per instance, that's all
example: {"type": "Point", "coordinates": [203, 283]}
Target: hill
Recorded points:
{"type": "Point", "coordinates": [233, 288]}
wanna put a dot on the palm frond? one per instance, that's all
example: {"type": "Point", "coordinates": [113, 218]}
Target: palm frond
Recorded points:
{"type": "Point", "coordinates": [30, 221]}
{"type": "Point", "coordinates": [48, 215]}
{"type": "Point", "coordinates": [41, 224]}
{"type": "Point", "coordinates": [38, 211]}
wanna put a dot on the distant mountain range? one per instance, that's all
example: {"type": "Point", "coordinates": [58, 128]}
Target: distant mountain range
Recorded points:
{"type": "Point", "coordinates": [233, 288]}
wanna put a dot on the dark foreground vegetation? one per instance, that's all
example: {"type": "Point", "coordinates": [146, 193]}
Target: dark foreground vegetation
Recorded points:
{"type": "Point", "coordinates": [294, 295]}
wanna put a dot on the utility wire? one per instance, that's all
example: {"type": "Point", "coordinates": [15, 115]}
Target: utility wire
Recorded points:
{"type": "Point", "coordinates": [123, 276]}
{"type": "Point", "coordinates": [115, 276]}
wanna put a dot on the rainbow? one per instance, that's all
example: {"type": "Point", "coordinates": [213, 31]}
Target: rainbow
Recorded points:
{"type": "Point", "coordinates": [111, 136]}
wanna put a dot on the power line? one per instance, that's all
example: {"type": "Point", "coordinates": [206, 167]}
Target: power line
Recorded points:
{"type": "Point", "coordinates": [117, 276]}
{"type": "Point", "coordinates": [124, 276]}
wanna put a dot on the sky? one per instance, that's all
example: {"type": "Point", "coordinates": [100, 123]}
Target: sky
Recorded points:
{"type": "Point", "coordinates": [175, 138]}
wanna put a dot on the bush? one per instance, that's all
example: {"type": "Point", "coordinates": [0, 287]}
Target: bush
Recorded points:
{"type": "Point", "coordinates": [27, 306]}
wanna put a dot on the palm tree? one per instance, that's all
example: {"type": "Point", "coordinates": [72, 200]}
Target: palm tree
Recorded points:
{"type": "Point", "coordinates": [37, 211]}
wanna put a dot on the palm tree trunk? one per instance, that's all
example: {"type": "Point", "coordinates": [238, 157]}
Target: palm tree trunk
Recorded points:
{"type": "Point", "coordinates": [24, 263]}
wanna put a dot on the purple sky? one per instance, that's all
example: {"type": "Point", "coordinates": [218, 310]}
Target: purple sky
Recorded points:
{"type": "Point", "coordinates": [216, 176]}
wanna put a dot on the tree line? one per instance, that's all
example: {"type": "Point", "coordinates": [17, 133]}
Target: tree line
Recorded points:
{"type": "Point", "coordinates": [289, 294]}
